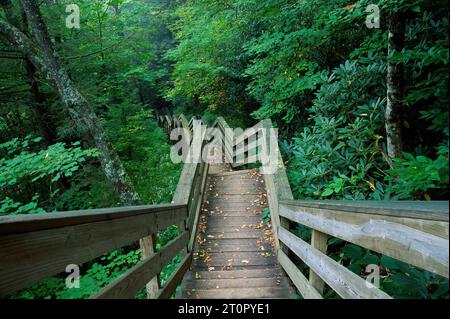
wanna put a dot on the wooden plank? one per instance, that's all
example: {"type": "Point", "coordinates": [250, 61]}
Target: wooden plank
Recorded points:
{"type": "Point", "coordinates": [319, 241]}
{"type": "Point", "coordinates": [346, 283]}
{"type": "Point", "coordinates": [175, 278]}
{"type": "Point", "coordinates": [248, 148]}
{"type": "Point", "coordinates": [236, 283]}
{"type": "Point", "coordinates": [272, 198]}
{"type": "Point", "coordinates": [26, 258]}
{"type": "Point", "coordinates": [240, 293]}
{"type": "Point", "coordinates": [427, 210]}
{"type": "Point", "coordinates": [437, 228]}
{"type": "Point", "coordinates": [27, 223]}
{"type": "Point", "coordinates": [128, 284]}
{"type": "Point", "coordinates": [193, 196]}
{"type": "Point", "coordinates": [184, 186]}
{"type": "Point", "coordinates": [228, 139]}
{"type": "Point", "coordinates": [300, 281]}
{"type": "Point", "coordinates": [404, 239]}
{"type": "Point", "coordinates": [269, 272]}
{"type": "Point", "coordinates": [196, 213]}
{"type": "Point", "coordinates": [148, 247]}
{"type": "Point", "coordinates": [248, 132]}
{"type": "Point", "coordinates": [278, 187]}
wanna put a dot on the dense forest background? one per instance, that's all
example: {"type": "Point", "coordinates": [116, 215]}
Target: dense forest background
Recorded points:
{"type": "Point", "coordinates": [78, 106]}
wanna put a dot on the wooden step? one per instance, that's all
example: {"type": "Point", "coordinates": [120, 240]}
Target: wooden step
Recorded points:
{"type": "Point", "coordinates": [230, 183]}
{"type": "Point", "coordinates": [235, 260]}
{"type": "Point", "coordinates": [214, 242]}
{"type": "Point", "coordinates": [233, 248]}
{"type": "Point", "coordinates": [235, 283]}
{"type": "Point", "coordinates": [239, 293]}
{"type": "Point", "coordinates": [235, 213]}
{"type": "Point", "coordinates": [238, 204]}
{"type": "Point", "coordinates": [268, 272]}
{"type": "Point", "coordinates": [216, 220]}
{"type": "Point", "coordinates": [233, 191]}
{"type": "Point", "coordinates": [233, 173]}
{"type": "Point", "coordinates": [233, 235]}
{"type": "Point", "coordinates": [238, 260]}
{"type": "Point", "coordinates": [227, 229]}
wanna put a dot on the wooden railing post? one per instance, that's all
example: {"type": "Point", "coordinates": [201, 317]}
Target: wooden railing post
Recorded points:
{"type": "Point", "coordinates": [319, 241]}
{"type": "Point", "coordinates": [148, 247]}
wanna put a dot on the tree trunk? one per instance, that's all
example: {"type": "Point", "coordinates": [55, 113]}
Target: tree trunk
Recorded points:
{"type": "Point", "coordinates": [44, 124]}
{"type": "Point", "coordinates": [79, 109]}
{"type": "Point", "coordinates": [42, 115]}
{"type": "Point", "coordinates": [45, 59]}
{"type": "Point", "coordinates": [393, 115]}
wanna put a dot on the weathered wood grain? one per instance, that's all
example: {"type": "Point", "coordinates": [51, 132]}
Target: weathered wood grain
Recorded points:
{"type": "Point", "coordinates": [28, 223]}
{"type": "Point", "coordinates": [346, 283]}
{"type": "Point", "coordinates": [425, 210]}
{"type": "Point", "coordinates": [128, 284]}
{"type": "Point", "coordinates": [400, 238]}
{"type": "Point", "coordinates": [300, 281]}
{"type": "Point", "coordinates": [175, 278]}
{"type": "Point", "coordinates": [319, 241]}
{"type": "Point", "coordinates": [27, 257]}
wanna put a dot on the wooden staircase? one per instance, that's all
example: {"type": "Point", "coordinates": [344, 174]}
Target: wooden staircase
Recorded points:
{"type": "Point", "coordinates": [235, 252]}
{"type": "Point", "coordinates": [226, 250]}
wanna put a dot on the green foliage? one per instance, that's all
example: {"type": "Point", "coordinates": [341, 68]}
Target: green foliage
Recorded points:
{"type": "Point", "coordinates": [339, 154]}
{"type": "Point", "coordinates": [311, 66]}
{"type": "Point", "coordinates": [265, 216]}
{"type": "Point", "coordinates": [22, 169]}
{"type": "Point", "coordinates": [209, 60]}
{"type": "Point", "coordinates": [145, 151]}
{"type": "Point", "coordinates": [420, 176]}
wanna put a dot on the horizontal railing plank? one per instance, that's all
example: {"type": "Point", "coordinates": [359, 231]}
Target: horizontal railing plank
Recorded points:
{"type": "Point", "coordinates": [300, 281]}
{"type": "Point", "coordinates": [27, 257]}
{"type": "Point", "coordinates": [129, 283]}
{"type": "Point", "coordinates": [346, 283]}
{"type": "Point", "coordinates": [392, 236]}
{"type": "Point", "coordinates": [27, 223]}
{"type": "Point", "coordinates": [175, 278]}
{"type": "Point", "coordinates": [428, 210]}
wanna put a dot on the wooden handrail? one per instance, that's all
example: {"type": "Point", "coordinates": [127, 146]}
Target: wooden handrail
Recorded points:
{"type": "Point", "coordinates": [190, 191]}
{"type": "Point", "coordinates": [422, 242]}
{"type": "Point", "coordinates": [27, 223]}
{"type": "Point", "coordinates": [426, 210]}
{"type": "Point", "coordinates": [33, 250]}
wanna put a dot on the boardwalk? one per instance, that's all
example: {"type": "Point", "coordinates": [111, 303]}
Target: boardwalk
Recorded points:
{"type": "Point", "coordinates": [227, 249]}
{"type": "Point", "coordinates": [234, 255]}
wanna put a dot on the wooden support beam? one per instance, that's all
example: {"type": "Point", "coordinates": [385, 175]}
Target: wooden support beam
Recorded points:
{"type": "Point", "coordinates": [319, 241]}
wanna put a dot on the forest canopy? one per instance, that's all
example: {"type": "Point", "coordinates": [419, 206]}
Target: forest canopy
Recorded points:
{"type": "Point", "coordinates": [362, 111]}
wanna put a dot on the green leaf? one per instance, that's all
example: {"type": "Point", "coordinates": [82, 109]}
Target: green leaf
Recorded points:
{"type": "Point", "coordinates": [327, 192]}
{"type": "Point", "coordinates": [352, 251]}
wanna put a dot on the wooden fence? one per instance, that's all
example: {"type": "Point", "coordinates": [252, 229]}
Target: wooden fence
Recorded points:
{"type": "Point", "coordinates": [35, 247]}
